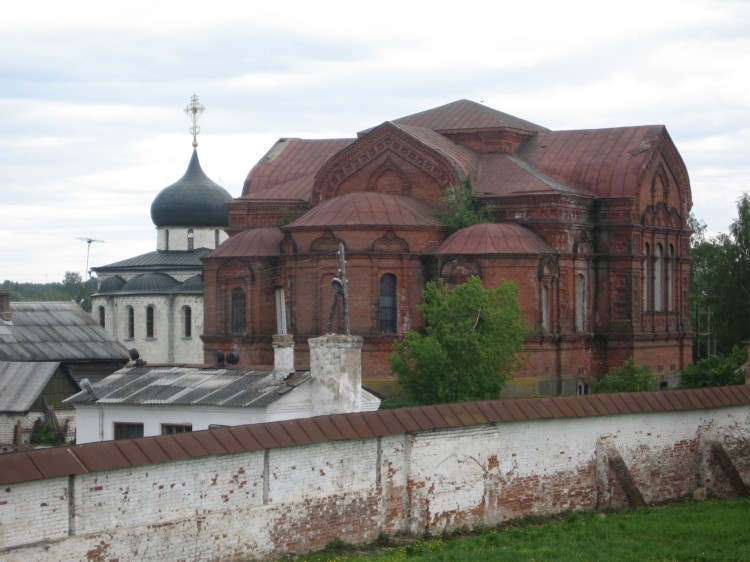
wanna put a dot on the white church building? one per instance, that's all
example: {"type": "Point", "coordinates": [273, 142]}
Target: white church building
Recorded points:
{"type": "Point", "coordinates": [153, 303]}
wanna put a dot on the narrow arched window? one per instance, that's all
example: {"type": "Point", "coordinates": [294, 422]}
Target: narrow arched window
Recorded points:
{"type": "Point", "coordinates": [166, 239]}
{"type": "Point", "coordinates": [216, 238]}
{"type": "Point", "coordinates": [187, 322]}
{"type": "Point", "coordinates": [131, 322]}
{"type": "Point", "coordinates": [647, 279]}
{"type": "Point", "coordinates": [670, 279]}
{"type": "Point", "coordinates": [101, 316]}
{"type": "Point", "coordinates": [149, 321]}
{"type": "Point", "coordinates": [580, 303]}
{"type": "Point", "coordinates": [190, 236]}
{"type": "Point", "coordinates": [658, 278]}
{"type": "Point", "coordinates": [388, 304]}
{"type": "Point", "coordinates": [238, 311]}
{"type": "Point", "coordinates": [545, 307]}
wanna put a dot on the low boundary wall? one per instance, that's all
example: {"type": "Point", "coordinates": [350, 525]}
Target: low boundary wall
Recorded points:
{"type": "Point", "coordinates": [263, 490]}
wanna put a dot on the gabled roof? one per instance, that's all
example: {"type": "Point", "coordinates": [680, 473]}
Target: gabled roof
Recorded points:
{"type": "Point", "coordinates": [501, 174]}
{"type": "Point", "coordinates": [165, 385]}
{"type": "Point", "coordinates": [57, 331]}
{"type": "Point", "coordinates": [466, 115]}
{"type": "Point", "coordinates": [494, 239]}
{"type": "Point", "coordinates": [287, 171]}
{"type": "Point", "coordinates": [368, 208]}
{"type": "Point", "coordinates": [21, 383]}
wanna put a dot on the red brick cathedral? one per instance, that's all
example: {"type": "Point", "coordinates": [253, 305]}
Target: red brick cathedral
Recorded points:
{"type": "Point", "coordinates": [591, 225]}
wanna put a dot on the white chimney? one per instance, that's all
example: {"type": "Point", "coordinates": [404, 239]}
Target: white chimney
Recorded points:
{"type": "Point", "coordinates": [283, 355]}
{"type": "Point", "coordinates": [336, 369]}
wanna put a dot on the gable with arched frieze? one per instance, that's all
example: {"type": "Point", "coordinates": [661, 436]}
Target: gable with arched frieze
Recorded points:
{"type": "Point", "coordinates": [390, 243]}
{"type": "Point", "coordinates": [326, 243]}
{"type": "Point", "coordinates": [390, 161]}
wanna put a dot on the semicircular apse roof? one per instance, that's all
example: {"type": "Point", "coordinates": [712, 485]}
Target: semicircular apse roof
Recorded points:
{"type": "Point", "coordinates": [149, 282]}
{"type": "Point", "coordinates": [260, 242]}
{"type": "Point", "coordinates": [111, 284]}
{"type": "Point", "coordinates": [368, 208]}
{"type": "Point", "coordinates": [193, 200]}
{"type": "Point", "coordinates": [494, 238]}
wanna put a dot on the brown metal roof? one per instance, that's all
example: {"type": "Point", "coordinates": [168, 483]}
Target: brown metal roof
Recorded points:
{"type": "Point", "coordinates": [466, 115]}
{"type": "Point", "coordinates": [602, 162]}
{"type": "Point", "coordinates": [29, 465]}
{"type": "Point", "coordinates": [494, 239]}
{"type": "Point", "coordinates": [288, 169]}
{"type": "Point", "coordinates": [368, 209]}
{"type": "Point", "coordinates": [256, 242]}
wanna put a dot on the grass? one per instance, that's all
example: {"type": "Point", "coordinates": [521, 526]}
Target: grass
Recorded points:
{"type": "Point", "coordinates": [712, 530]}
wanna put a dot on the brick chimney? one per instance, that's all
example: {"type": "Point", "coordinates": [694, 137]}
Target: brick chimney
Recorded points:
{"type": "Point", "coordinates": [5, 306]}
{"type": "Point", "coordinates": [283, 355]}
{"type": "Point", "coordinates": [336, 369]}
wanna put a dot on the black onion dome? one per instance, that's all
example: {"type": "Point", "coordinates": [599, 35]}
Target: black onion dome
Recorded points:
{"type": "Point", "coordinates": [193, 200]}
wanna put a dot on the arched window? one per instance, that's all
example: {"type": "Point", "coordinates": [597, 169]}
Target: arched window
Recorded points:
{"type": "Point", "coordinates": [101, 316]}
{"type": "Point", "coordinates": [647, 280]}
{"type": "Point", "coordinates": [545, 307]}
{"type": "Point", "coordinates": [166, 239]}
{"type": "Point", "coordinates": [131, 322]}
{"type": "Point", "coordinates": [658, 278]}
{"type": "Point", "coordinates": [190, 239]}
{"type": "Point", "coordinates": [149, 321]}
{"type": "Point", "coordinates": [580, 303]}
{"type": "Point", "coordinates": [670, 279]}
{"type": "Point", "coordinates": [187, 322]}
{"type": "Point", "coordinates": [216, 238]}
{"type": "Point", "coordinates": [388, 304]}
{"type": "Point", "coordinates": [238, 311]}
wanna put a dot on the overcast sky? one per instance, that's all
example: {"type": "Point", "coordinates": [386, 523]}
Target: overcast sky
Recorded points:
{"type": "Point", "coordinates": [92, 95]}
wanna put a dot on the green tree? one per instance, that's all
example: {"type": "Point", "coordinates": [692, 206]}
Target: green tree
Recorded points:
{"type": "Point", "coordinates": [628, 377]}
{"type": "Point", "coordinates": [461, 208]}
{"type": "Point", "coordinates": [721, 280]}
{"type": "Point", "coordinates": [716, 370]}
{"type": "Point", "coordinates": [471, 345]}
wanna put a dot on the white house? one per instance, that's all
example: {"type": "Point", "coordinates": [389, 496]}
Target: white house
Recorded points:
{"type": "Point", "coordinates": [141, 401]}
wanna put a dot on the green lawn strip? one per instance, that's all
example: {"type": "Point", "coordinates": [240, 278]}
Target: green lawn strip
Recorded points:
{"type": "Point", "coordinates": [712, 530]}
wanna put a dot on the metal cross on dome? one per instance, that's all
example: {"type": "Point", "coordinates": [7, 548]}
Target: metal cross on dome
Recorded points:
{"type": "Point", "coordinates": [193, 111]}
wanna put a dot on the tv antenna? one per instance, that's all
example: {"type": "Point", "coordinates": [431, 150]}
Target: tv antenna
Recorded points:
{"type": "Point", "coordinates": [88, 241]}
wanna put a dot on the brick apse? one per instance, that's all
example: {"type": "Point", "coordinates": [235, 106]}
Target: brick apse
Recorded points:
{"type": "Point", "coordinates": [259, 491]}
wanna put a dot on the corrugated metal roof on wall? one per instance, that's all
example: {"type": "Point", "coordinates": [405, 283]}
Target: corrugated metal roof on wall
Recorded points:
{"type": "Point", "coordinates": [26, 466]}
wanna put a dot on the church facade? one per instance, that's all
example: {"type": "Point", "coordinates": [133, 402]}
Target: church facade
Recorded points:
{"type": "Point", "coordinates": [591, 225]}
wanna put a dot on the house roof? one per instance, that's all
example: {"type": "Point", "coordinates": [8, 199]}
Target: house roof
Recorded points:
{"type": "Point", "coordinates": [256, 242]}
{"type": "Point", "coordinates": [27, 466]}
{"type": "Point", "coordinates": [173, 385]}
{"type": "Point", "coordinates": [57, 331]}
{"type": "Point", "coordinates": [493, 239]}
{"type": "Point", "coordinates": [368, 208]}
{"type": "Point", "coordinates": [21, 383]}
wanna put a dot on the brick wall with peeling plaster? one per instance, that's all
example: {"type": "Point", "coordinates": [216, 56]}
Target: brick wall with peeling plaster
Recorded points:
{"type": "Point", "coordinates": [265, 503]}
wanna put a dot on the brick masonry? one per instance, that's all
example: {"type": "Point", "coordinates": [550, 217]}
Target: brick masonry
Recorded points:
{"type": "Point", "coordinates": [263, 503]}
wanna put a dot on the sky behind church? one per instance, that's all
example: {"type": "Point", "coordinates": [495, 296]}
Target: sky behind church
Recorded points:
{"type": "Point", "coordinates": [92, 95]}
